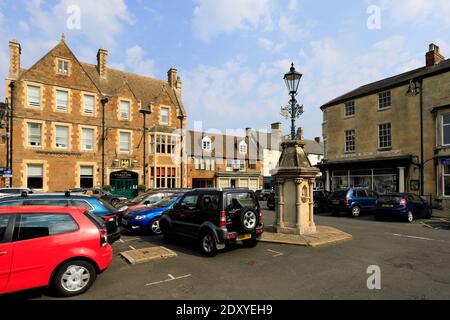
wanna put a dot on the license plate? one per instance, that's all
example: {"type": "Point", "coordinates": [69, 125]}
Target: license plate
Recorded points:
{"type": "Point", "coordinates": [335, 202]}
{"type": "Point", "coordinates": [387, 205]}
{"type": "Point", "coordinates": [124, 222]}
{"type": "Point", "coordinates": [244, 237]}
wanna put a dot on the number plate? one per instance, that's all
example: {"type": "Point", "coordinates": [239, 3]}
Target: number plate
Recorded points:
{"type": "Point", "coordinates": [335, 202]}
{"type": "Point", "coordinates": [244, 237]}
{"type": "Point", "coordinates": [388, 206]}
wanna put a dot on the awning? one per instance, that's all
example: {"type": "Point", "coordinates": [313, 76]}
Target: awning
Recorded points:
{"type": "Point", "coordinates": [372, 163]}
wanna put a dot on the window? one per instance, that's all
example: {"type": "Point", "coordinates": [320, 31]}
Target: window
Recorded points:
{"type": "Point", "coordinates": [125, 142]}
{"type": "Point", "coordinates": [189, 202]}
{"type": "Point", "coordinates": [171, 142]}
{"type": "Point", "coordinates": [62, 137]}
{"type": "Point", "coordinates": [206, 144]}
{"type": "Point", "coordinates": [385, 136]}
{"type": "Point", "coordinates": [62, 100]}
{"type": "Point", "coordinates": [165, 116]}
{"type": "Point", "coordinates": [35, 176]}
{"type": "Point", "coordinates": [89, 104]}
{"type": "Point", "coordinates": [152, 144]}
{"type": "Point", "coordinates": [243, 147]}
{"type": "Point", "coordinates": [350, 141]}
{"type": "Point", "coordinates": [81, 204]}
{"type": "Point", "coordinates": [350, 109]}
{"type": "Point", "coordinates": [87, 139]}
{"type": "Point", "coordinates": [160, 144]}
{"type": "Point", "coordinates": [446, 180]}
{"type": "Point", "coordinates": [86, 177]}
{"type": "Point", "coordinates": [4, 221]}
{"type": "Point", "coordinates": [446, 129]}
{"type": "Point", "coordinates": [252, 164]}
{"type": "Point", "coordinates": [34, 226]}
{"type": "Point", "coordinates": [63, 67]}
{"type": "Point", "coordinates": [384, 100]}
{"type": "Point", "coordinates": [166, 177]}
{"type": "Point", "coordinates": [210, 202]}
{"type": "Point", "coordinates": [34, 134]}
{"type": "Point", "coordinates": [34, 96]}
{"type": "Point", "coordinates": [124, 110]}
{"type": "Point", "coordinates": [229, 165]}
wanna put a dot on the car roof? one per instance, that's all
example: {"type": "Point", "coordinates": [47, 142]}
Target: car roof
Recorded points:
{"type": "Point", "coordinates": [49, 196]}
{"type": "Point", "coordinates": [41, 209]}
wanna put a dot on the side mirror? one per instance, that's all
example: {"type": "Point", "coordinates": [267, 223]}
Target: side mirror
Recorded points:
{"type": "Point", "coordinates": [147, 203]}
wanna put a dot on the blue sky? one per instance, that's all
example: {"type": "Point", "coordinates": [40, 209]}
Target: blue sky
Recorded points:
{"type": "Point", "coordinates": [232, 54]}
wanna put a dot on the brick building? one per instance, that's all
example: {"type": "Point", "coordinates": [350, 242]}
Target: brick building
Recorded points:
{"type": "Point", "coordinates": [57, 124]}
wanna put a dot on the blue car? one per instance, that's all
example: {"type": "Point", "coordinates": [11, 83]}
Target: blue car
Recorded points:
{"type": "Point", "coordinates": [147, 219]}
{"type": "Point", "coordinates": [353, 201]}
{"type": "Point", "coordinates": [406, 206]}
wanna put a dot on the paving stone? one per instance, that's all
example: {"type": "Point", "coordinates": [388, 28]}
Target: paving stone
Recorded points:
{"type": "Point", "coordinates": [147, 255]}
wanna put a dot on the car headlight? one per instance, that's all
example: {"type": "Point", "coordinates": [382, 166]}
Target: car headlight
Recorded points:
{"type": "Point", "coordinates": [140, 217]}
{"type": "Point", "coordinates": [123, 209]}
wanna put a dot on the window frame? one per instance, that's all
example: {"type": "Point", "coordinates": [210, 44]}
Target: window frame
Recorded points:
{"type": "Point", "coordinates": [67, 127]}
{"type": "Point", "coordinates": [56, 101]}
{"type": "Point", "coordinates": [39, 88]}
{"type": "Point", "coordinates": [83, 140]}
{"type": "Point", "coordinates": [346, 145]}
{"type": "Point", "coordinates": [64, 63]}
{"type": "Point", "coordinates": [42, 176]}
{"type": "Point", "coordinates": [383, 99]}
{"type": "Point", "coordinates": [206, 144]}
{"type": "Point", "coordinates": [129, 133]}
{"type": "Point", "coordinates": [28, 134]}
{"type": "Point", "coordinates": [349, 105]}
{"type": "Point", "coordinates": [161, 116]}
{"type": "Point", "coordinates": [380, 129]}
{"type": "Point", "coordinates": [442, 129]}
{"type": "Point", "coordinates": [128, 113]}
{"type": "Point", "coordinates": [84, 104]}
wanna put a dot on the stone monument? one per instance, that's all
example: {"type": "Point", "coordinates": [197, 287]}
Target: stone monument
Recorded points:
{"type": "Point", "coordinates": [294, 179]}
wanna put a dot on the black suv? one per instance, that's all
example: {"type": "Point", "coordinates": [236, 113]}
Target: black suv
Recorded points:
{"type": "Point", "coordinates": [215, 218]}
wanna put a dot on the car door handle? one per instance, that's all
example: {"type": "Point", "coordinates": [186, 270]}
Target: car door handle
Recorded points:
{"type": "Point", "coordinates": [4, 253]}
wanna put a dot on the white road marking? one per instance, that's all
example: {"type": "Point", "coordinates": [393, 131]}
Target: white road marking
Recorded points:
{"type": "Point", "coordinates": [171, 278]}
{"type": "Point", "coordinates": [277, 254]}
{"type": "Point", "coordinates": [121, 241]}
{"type": "Point", "coordinates": [132, 248]}
{"type": "Point", "coordinates": [412, 237]}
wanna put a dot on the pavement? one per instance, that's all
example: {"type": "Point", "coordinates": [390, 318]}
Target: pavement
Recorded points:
{"type": "Point", "coordinates": [413, 260]}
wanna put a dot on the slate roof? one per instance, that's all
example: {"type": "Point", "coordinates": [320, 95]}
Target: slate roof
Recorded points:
{"type": "Point", "coordinates": [315, 148]}
{"type": "Point", "coordinates": [392, 82]}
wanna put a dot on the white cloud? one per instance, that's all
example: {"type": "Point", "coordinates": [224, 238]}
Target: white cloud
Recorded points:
{"type": "Point", "coordinates": [225, 16]}
{"type": "Point", "coordinates": [270, 45]}
{"type": "Point", "coordinates": [419, 11]}
{"type": "Point", "coordinates": [291, 30]}
{"type": "Point", "coordinates": [136, 61]}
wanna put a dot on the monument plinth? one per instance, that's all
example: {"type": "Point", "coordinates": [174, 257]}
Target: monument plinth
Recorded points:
{"type": "Point", "coordinates": [294, 201]}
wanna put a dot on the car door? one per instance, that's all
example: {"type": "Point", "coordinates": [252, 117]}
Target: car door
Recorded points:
{"type": "Point", "coordinates": [209, 209]}
{"type": "Point", "coordinates": [186, 214]}
{"type": "Point", "coordinates": [39, 240]}
{"type": "Point", "coordinates": [6, 249]}
{"type": "Point", "coordinates": [361, 198]}
{"type": "Point", "coordinates": [412, 201]}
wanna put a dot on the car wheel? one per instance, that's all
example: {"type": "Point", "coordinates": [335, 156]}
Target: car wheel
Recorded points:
{"type": "Point", "coordinates": [356, 211]}
{"type": "Point", "coordinates": [114, 202]}
{"type": "Point", "coordinates": [208, 244]}
{"type": "Point", "coordinates": [154, 227]}
{"type": "Point", "coordinates": [74, 278]}
{"type": "Point", "coordinates": [410, 217]}
{"type": "Point", "coordinates": [251, 243]}
{"type": "Point", "coordinates": [248, 221]}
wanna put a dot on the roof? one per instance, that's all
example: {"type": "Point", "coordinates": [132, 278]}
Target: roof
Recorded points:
{"type": "Point", "coordinates": [40, 209]}
{"type": "Point", "coordinates": [314, 147]}
{"type": "Point", "coordinates": [392, 82]}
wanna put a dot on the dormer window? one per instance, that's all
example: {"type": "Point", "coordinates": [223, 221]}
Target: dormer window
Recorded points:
{"type": "Point", "coordinates": [206, 144]}
{"type": "Point", "coordinates": [243, 147]}
{"type": "Point", "coordinates": [63, 67]}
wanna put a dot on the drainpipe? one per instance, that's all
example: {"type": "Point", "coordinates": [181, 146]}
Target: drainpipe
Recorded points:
{"type": "Point", "coordinates": [104, 101]}
{"type": "Point", "coordinates": [181, 118]}
{"type": "Point", "coordinates": [422, 164]}
{"type": "Point", "coordinates": [11, 118]}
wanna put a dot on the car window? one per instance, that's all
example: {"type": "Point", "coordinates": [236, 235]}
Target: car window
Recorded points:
{"type": "Point", "coordinates": [155, 197]}
{"type": "Point", "coordinates": [49, 202]}
{"type": "Point", "coordinates": [361, 193]}
{"type": "Point", "coordinates": [210, 202]}
{"type": "Point", "coordinates": [11, 203]}
{"type": "Point", "coordinates": [33, 226]}
{"type": "Point", "coordinates": [189, 202]}
{"type": "Point", "coordinates": [410, 198]}
{"type": "Point", "coordinates": [4, 220]}
{"type": "Point", "coordinates": [236, 201]}
{"type": "Point", "coordinates": [81, 204]}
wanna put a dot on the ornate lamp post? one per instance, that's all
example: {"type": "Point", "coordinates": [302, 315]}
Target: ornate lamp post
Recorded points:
{"type": "Point", "coordinates": [293, 110]}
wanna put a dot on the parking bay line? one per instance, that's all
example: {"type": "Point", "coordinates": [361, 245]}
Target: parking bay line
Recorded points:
{"type": "Point", "coordinates": [277, 254]}
{"type": "Point", "coordinates": [171, 278]}
{"type": "Point", "coordinates": [412, 237]}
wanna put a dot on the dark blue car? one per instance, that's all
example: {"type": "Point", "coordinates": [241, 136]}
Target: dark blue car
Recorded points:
{"type": "Point", "coordinates": [353, 201]}
{"type": "Point", "coordinates": [406, 206]}
{"type": "Point", "coordinates": [147, 219]}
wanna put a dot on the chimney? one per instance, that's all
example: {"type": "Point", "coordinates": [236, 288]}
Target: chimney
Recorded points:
{"type": "Point", "coordinates": [433, 57]}
{"type": "Point", "coordinates": [102, 63]}
{"type": "Point", "coordinates": [277, 136]}
{"type": "Point", "coordinates": [179, 84]}
{"type": "Point", "coordinates": [248, 132]}
{"type": "Point", "coordinates": [172, 77]}
{"type": "Point", "coordinates": [317, 139]}
{"type": "Point", "coordinates": [15, 51]}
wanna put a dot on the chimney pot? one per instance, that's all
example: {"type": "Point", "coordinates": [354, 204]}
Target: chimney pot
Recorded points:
{"type": "Point", "coordinates": [317, 139]}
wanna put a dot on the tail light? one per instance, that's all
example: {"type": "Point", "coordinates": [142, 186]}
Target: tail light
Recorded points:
{"type": "Point", "coordinates": [260, 215]}
{"type": "Point", "coordinates": [109, 218]}
{"type": "Point", "coordinates": [223, 219]}
{"type": "Point", "coordinates": [403, 202]}
{"type": "Point", "coordinates": [346, 201]}
{"type": "Point", "coordinates": [103, 237]}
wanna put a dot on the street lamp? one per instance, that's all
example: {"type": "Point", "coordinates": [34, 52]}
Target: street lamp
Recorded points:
{"type": "Point", "coordinates": [293, 110]}
{"type": "Point", "coordinates": [145, 112]}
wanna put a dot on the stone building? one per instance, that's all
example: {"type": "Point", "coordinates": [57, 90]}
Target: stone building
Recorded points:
{"type": "Point", "coordinates": [223, 161]}
{"type": "Point", "coordinates": [394, 134]}
{"type": "Point", "coordinates": [57, 126]}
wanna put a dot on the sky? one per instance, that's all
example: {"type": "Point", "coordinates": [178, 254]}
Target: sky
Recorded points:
{"type": "Point", "coordinates": [232, 54]}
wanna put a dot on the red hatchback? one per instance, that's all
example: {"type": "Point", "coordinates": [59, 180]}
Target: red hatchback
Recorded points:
{"type": "Point", "coordinates": [63, 248]}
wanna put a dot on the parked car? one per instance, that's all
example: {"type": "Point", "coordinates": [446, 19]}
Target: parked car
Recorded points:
{"type": "Point", "coordinates": [353, 201]}
{"type": "Point", "coordinates": [215, 218]}
{"type": "Point", "coordinates": [406, 206]}
{"type": "Point", "coordinates": [321, 201]}
{"type": "Point", "coordinates": [113, 199]}
{"type": "Point", "coordinates": [98, 207]}
{"type": "Point", "coordinates": [271, 201]}
{"type": "Point", "coordinates": [147, 219]}
{"type": "Point", "coordinates": [263, 194]}
{"type": "Point", "coordinates": [63, 248]}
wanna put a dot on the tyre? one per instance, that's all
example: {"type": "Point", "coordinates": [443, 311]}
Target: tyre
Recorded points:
{"type": "Point", "coordinates": [114, 202]}
{"type": "Point", "coordinates": [251, 243]}
{"type": "Point", "coordinates": [154, 227]}
{"type": "Point", "coordinates": [410, 217]}
{"type": "Point", "coordinates": [248, 221]}
{"type": "Point", "coordinates": [356, 211]}
{"type": "Point", "coordinates": [208, 244]}
{"type": "Point", "coordinates": [429, 215]}
{"type": "Point", "coordinates": [167, 233]}
{"type": "Point", "coordinates": [73, 278]}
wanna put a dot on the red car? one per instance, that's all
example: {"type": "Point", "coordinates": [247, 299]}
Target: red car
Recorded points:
{"type": "Point", "coordinates": [63, 248]}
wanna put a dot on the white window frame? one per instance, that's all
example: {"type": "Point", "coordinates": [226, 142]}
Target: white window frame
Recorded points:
{"type": "Point", "coordinates": [28, 96]}
{"type": "Point", "coordinates": [168, 116]}
{"type": "Point", "coordinates": [206, 144]}
{"type": "Point", "coordinates": [28, 134]}
{"type": "Point", "coordinates": [83, 145]}
{"type": "Point", "coordinates": [444, 175]}
{"type": "Point", "coordinates": [442, 129]}
{"type": "Point", "coordinates": [390, 136]}
{"type": "Point", "coordinates": [349, 105]}
{"type": "Point", "coordinates": [383, 98]}
{"type": "Point", "coordinates": [243, 147]}
{"type": "Point", "coordinates": [129, 141]}
{"type": "Point", "coordinates": [64, 63]}
{"type": "Point", "coordinates": [92, 114]}
{"type": "Point", "coordinates": [57, 100]}
{"type": "Point", "coordinates": [345, 141]}
{"type": "Point", "coordinates": [125, 115]}
{"type": "Point", "coordinates": [68, 137]}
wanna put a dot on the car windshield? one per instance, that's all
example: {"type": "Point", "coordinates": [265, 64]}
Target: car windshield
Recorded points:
{"type": "Point", "coordinates": [390, 198]}
{"type": "Point", "coordinates": [167, 202]}
{"type": "Point", "coordinates": [108, 206]}
{"type": "Point", "coordinates": [139, 198]}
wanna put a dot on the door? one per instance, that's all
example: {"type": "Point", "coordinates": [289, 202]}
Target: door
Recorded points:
{"type": "Point", "coordinates": [6, 249]}
{"type": "Point", "coordinates": [186, 216]}
{"type": "Point", "coordinates": [124, 183]}
{"type": "Point", "coordinates": [233, 183]}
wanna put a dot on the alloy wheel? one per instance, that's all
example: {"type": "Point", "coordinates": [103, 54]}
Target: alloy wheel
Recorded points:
{"type": "Point", "coordinates": [156, 229]}
{"type": "Point", "coordinates": [250, 220]}
{"type": "Point", "coordinates": [75, 278]}
{"type": "Point", "coordinates": [410, 217]}
{"type": "Point", "coordinates": [208, 243]}
{"type": "Point", "coordinates": [356, 211]}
